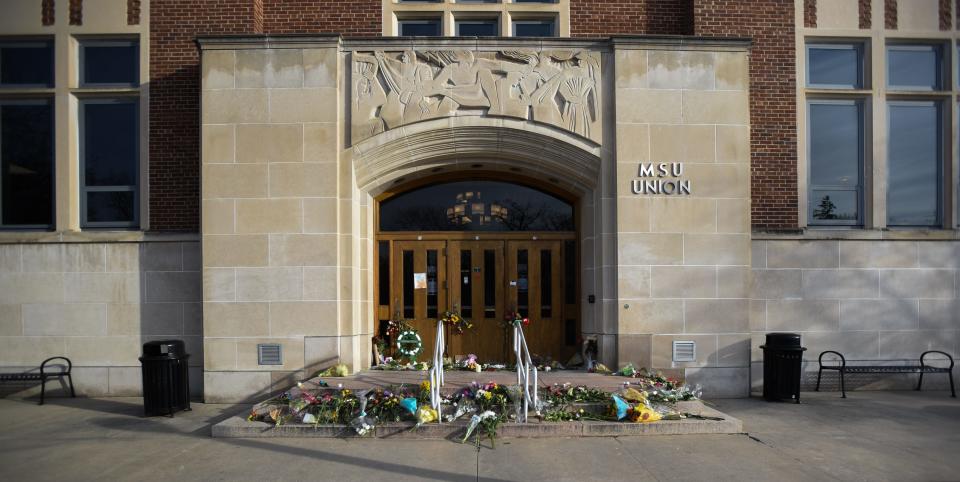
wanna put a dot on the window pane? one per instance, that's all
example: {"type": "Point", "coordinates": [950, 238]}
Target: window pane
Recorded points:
{"type": "Point", "coordinates": [523, 284]}
{"type": "Point", "coordinates": [838, 207]}
{"type": "Point", "coordinates": [546, 283]}
{"type": "Point", "coordinates": [111, 207]}
{"type": "Point", "coordinates": [835, 153]}
{"type": "Point", "coordinates": [835, 66]}
{"type": "Point", "coordinates": [28, 63]}
{"type": "Point", "coordinates": [489, 284]}
{"type": "Point", "coordinates": [466, 288]}
{"type": "Point", "coordinates": [110, 143]}
{"type": "Point", "coordinates": [432, 284]}
{"type": "Point", "coordinates": [419, 28]}
{"type": "Point", "coordinates": [26, 163]}
{"type": "Point", "coordinates": [913, 67]}
{"type": "Point", "coordinates": [534, 28]}
{"type": "Point", "coordinates": [477, 28]}
{"type": "Point", "coordinates": [110, 62]}
{"type": "Point", "coordinates": [914, 157]}
{"type": "Point", "coordinates": [383, 271]}
{"type": "Point", "coordinates": [476, 206]}
{"type": "Point", "coordinates": [408, 284]}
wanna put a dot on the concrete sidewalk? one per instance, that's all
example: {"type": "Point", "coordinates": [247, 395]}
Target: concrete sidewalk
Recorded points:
{"type": "Point", "coordinates": [869, 436]}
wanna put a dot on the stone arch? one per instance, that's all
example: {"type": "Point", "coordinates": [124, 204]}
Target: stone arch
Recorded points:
{"type": "Point", "coordinates": [487, 145]}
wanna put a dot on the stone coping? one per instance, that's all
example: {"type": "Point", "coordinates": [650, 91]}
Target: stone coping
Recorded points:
{"type": "Point", "coordinates": [824, 234]}
{"type": "Point", "coordinates": [242, 41]}
{"type": "Point", "coordinates": [239, 427]}
{"type": "Point", "coordinates": [131, 236]}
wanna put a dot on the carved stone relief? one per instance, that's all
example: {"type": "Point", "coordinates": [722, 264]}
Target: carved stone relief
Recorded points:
{"type": "Point", "coordinates": [559, 88]}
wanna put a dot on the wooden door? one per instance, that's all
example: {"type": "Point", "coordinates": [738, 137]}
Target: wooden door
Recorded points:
{"type": "Point", "coordinates": [419, 285]}
{"type": "Point", "coordinates": [534, 289]}
{"type": "Point", "coordinates": [476, 289]}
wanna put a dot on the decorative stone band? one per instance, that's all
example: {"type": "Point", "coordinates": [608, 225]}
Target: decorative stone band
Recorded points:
{"type": "Point", "coordinates": [391, 89]}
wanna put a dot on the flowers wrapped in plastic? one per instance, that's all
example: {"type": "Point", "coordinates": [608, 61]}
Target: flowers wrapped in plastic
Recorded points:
{"type": "Point", "coordinates": [488, 421]}
{"type": "Point", "coordinates": [363, 424]}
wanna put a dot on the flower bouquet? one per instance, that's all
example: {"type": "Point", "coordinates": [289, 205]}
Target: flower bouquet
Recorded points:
{"type": "Point", "coordinates": [457, 323]}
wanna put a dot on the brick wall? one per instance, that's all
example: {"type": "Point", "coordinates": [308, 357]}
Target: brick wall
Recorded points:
{"type": "Point", "coordinates": [175, 82]}
{"type": "Point", "coordinates": [593, 18]}
{"type": "Point", "coordinates": [773, 135]}
{"type": "Point", "coordinates": [346, 17]}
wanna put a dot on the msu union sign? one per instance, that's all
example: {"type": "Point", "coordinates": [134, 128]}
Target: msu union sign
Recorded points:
{"type": "Point", "coordinates": [660, 178]}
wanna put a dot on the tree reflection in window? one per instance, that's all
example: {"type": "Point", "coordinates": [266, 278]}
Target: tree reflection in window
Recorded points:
{"type": "Point", "coordinates": [476, 206]}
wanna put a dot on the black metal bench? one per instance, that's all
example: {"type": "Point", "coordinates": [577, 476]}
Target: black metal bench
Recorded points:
{"type": "Point", "coordinates": [42, 376]}
{"type": "Point", "coordinates": [922, 368]}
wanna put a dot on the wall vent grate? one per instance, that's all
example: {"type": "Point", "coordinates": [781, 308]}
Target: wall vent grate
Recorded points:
{"type": "Point", "coordinates": [270, 354]}
{"type": "Point", "coordinates": [684, 351]}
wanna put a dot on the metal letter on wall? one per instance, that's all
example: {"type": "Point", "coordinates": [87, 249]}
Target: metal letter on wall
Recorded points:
{"type": "Point", "coordinates": [393, 89]}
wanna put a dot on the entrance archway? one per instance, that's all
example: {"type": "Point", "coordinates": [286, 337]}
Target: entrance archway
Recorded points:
{"type": "Point", "coordinates": [486, 246]}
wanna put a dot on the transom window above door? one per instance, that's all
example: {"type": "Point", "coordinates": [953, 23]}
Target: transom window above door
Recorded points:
{"type": "Point", "coordinates": [481, 205]}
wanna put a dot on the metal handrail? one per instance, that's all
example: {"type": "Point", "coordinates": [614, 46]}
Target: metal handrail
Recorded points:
{"type": "Point", "coordinates": [436, 371]}
{"type": "Point", "coordinates": [525, 368]}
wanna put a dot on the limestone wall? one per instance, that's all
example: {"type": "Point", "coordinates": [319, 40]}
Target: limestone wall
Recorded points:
{"type": "Point", "coordinates": [270, 207]}
{"type": "Point", "coordinates": [868, 299]}
{"type": "Point", "coordinates": [97, 303]}
{"type": "Point", "coordinates": [684, 260]}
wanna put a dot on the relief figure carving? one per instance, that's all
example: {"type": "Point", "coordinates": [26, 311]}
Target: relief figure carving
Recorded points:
{"type": "Point", "coordinates": [392, 89]}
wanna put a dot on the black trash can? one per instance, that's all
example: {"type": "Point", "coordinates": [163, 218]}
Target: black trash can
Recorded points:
{"type": "Point", "coordinates": [782, 367]}
{"type": "Point", "coordinates": [166, 382]}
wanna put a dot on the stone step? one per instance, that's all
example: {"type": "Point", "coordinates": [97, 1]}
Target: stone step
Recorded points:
{"type": "Point", "coordinates": [240, 427]}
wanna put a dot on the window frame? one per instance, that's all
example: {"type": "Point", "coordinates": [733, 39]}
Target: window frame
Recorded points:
{"type": "Point", "coordinates": [941, 159]}
{"type": "Point", "coordinates": [861, 162]}
{"type": "Point", "coordinates": [431, 19]}
{"type": "Point", "coordinates": [554, 26]}
{"type": "Point", "coordinates": [5, 42]}
{"type": "Point", "coordinates": [857, 46]}
{"type": "Point", "coordinates": [84, 189]}
{"type": "Point", "coordinates": [479, 20]}
{"type": "Point", "coordinates": [83, 43]}
{"type": "Point", "coordinates": [907, 45]}
{"type": "Point", "coordinates": [51, 102]}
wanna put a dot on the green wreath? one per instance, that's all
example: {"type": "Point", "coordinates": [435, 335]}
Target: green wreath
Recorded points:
{"type": "Point", "coordinates": [409, 343]}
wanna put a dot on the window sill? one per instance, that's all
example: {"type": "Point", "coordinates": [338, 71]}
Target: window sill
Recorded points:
{"type": "Point", "coordinates": [862, 234]}
{"type": "Point", "coordinates": [31, 237]}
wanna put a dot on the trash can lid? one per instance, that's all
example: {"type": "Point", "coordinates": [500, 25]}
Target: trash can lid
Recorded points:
{"type": "Point", "coordinates": [172, 348]}
{"type": "Point", "coordinates": [783, 339]}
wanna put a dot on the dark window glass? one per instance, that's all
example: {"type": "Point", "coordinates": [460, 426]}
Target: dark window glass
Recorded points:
{"type": "Point", "coordinates": [570, 272]}
{"type": "Point", "coordinates": [419, 28]}
{"type": "Point", "coordinates": [432, 291]}
{"type": "Point", "coordinates": [111, 207]}
{"type": "Point", "coordinates": [477, 28]}
{"type": "Point", "coordinates": [523, 283]}
{"type": "Point", "coordinates": [26, 163]}
{"type": "Point", "coordinates": [476, 206]}
{"type": "Point", "coordinates": [109, 152]}
{"type": "Point", "coordinates": [546, 283]}
{"type": "Point", "coordinates": [26, 63]}
{"type": "Point", "coordinates": [534, 1]}
{"type": "Point", "coordinates": [383, 271]}
{"type": "Point", "coordinates": [914, 160]}
{"type": "Point", "coordinates": [109, 62]}
{"type": "Point", "coordinates": [835, 66]}
{"type": "Point", "coordinates": [466, 285]}
{"type": "Point", "coordinates": [914, 67]}
{"type": "Point", "coordinates": [835, 152]}
{"type": "Point", "coordinates": [534, 28]}
{"type": "Point", "coordinates": [408, 284]}
{"type": "Point", "coordinates": [489, 284]}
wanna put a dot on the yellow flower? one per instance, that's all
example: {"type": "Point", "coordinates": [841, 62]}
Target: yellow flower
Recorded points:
{"type": "Point", "coordinates": [425, 386]}
{"type": "Point", "coordinates": [488, 395]}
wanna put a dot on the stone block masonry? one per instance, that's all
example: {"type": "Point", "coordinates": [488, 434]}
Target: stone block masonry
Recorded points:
{"type": "Point", "coordinates": [870, 300]}
{"type": "Point", "coordinates": [97, 303]}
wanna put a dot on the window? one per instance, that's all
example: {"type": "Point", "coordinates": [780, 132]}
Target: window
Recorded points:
{"type": "Point", "coordinates": [476, 206]}
{"type": "Point", "coordinates": [914, 163]}
{"type": "Point", "coordinates": [835, 150]}
{"type": "Point", "coordinates": [478, 28]}
{"type": "Point", "coordinates": [914, 67]}
{"type": "Point", "coordinates": [419, 28]}
{"type": "Point", "coordinates": [109, 157]}
{"type": "Point", "coordinates": [26, 63]}
{"type": "Point", "coordinates": [26, 163]}
{"type": "Point", "coordinates": [835, 66]}
{"type": "Point", "coordinates": [109, 63]}
{"type": "Point", "coordinates": [535, 28]}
